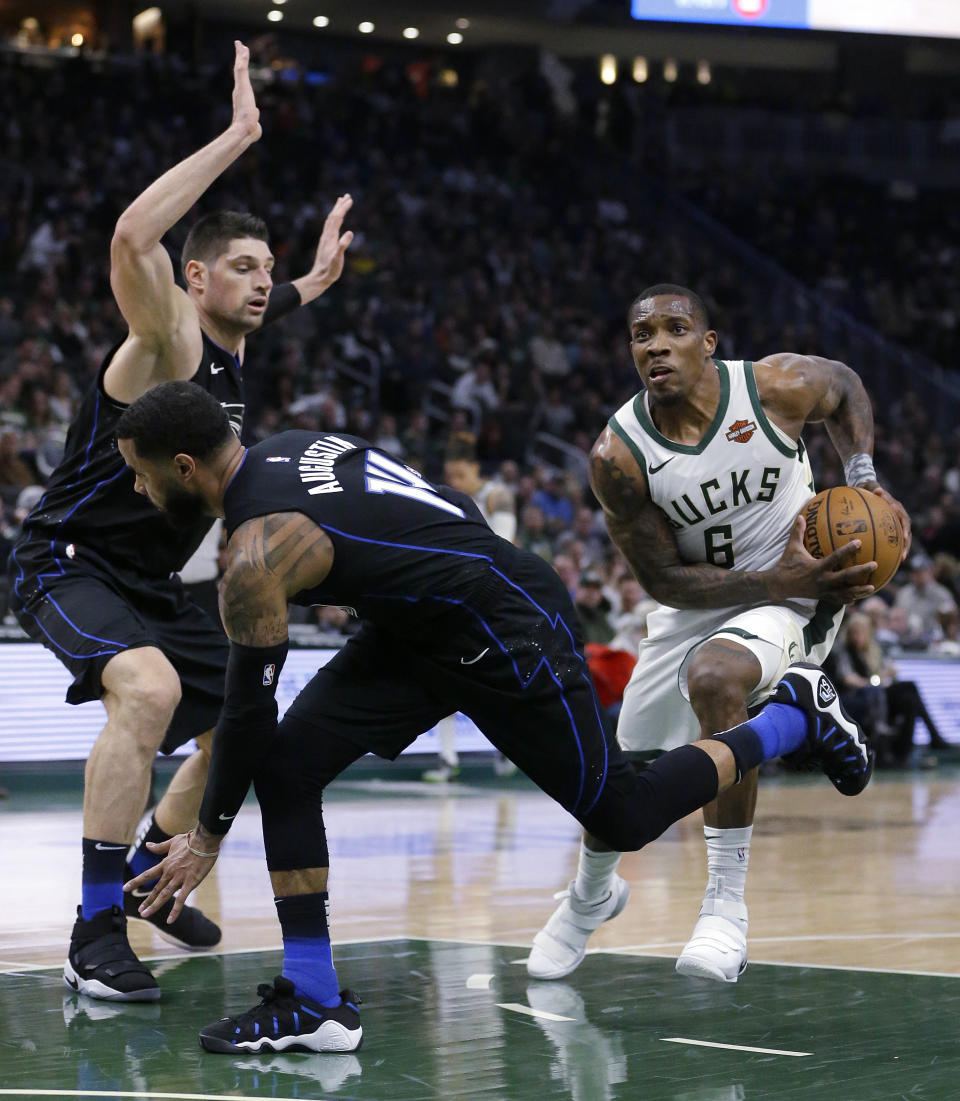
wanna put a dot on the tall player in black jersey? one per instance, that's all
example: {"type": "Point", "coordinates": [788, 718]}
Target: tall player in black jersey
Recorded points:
{"type": "Point", "coordinates": [454, 619]}
{"type": "Point", "coordinates": [93, 576]}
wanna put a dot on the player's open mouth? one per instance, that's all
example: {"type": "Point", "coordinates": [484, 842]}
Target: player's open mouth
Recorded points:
{"type": "Point", "coordinates": [258, 304]}
{"type": "Point", "coordinates": [659, 371]}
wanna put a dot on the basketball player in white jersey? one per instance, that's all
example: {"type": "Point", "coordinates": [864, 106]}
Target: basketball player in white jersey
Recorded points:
{"type": "Point", "coordinates": [461, 471]}
{"type": "Point", "coordinates": [701, 477]}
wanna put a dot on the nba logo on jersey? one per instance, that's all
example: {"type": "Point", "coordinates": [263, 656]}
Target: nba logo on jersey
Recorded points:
{"type": "Point", "coordinates": [741, 855]}
{"type": "Point", "coordinates": [268, 671]}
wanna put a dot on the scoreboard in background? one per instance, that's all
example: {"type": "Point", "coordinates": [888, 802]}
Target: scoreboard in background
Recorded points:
{"type": "Point", "coordinates": [936, 18]}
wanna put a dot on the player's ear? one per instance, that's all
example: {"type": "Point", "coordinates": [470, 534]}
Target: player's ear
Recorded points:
{"type": "Point", "coordinates": [195, 274]}
{"type": "Point", "coordinates": [710, 340]}
{"type": "Point", "coordinates": [186, 466]}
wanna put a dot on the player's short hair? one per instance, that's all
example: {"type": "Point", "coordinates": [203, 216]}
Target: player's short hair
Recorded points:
{"type": "Point", "coordinates": [175, 417]}
{"type": "Point", "coordinates": [210, 236]}
{"type": "Point", "coordinates": [699, 309]}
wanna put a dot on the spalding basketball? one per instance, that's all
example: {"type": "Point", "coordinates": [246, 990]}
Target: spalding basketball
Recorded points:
{"type": "Point", "coordinates": [835, 516]}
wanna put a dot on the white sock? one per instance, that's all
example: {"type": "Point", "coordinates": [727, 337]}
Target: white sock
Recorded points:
{"type": "Point", "coordinates": [447, 736]}
{"type": "Point", "coordinates": [595, 874]}
{"type": "Point", "coordinates": [728, 856]}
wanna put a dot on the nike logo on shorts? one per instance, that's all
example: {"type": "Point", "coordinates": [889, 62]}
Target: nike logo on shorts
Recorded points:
{"type": "Point", "coordinates": [227, 817]}
{"type": "Point", "coordinates": [473, 661]}
{"type": "Point", "coordinates": [109, 848]}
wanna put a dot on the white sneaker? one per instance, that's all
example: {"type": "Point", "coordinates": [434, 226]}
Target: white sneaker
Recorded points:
{"type": "Point", "coordinates": [718, 948]}
{"type": "Point", "coordinates": [562, 943]}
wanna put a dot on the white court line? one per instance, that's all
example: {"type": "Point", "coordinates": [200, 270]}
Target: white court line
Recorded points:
{"type": "Point", "coordinates": [807, 938]}
{"type": "Point", "coordinates": [479, 982]}
{"type": "Point", "coordinates": [734, 1047]}
{"type": "Point", "coordinates": [542, 1013]}
{"type": "Point", "coordinates": [653, 951]}
{"type": "Point", "coordinates": [135, 1093]}
{"type": "Point", "coordinates": [11, 966]}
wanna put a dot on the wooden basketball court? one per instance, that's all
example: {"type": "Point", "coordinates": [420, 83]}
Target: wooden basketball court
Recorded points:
{"type": "Point", "coordinates": [436, 893]}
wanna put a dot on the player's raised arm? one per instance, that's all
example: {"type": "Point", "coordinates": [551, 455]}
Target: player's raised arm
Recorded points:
{"type": "Point", "coordinates": [643, 534]}
{"type": "Point", "coordinates": [331, 251]}
{"type": "Point", "coordinates": [798, 389]}
{"type": "Point", "coordinates": [141, 273]}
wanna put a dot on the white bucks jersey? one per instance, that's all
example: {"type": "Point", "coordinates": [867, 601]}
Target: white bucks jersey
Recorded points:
{"type": "Point", "coordinates": [732, 498]}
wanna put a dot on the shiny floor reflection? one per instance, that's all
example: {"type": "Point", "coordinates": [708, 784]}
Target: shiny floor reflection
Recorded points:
{"type": "Point", "coordinates": [449, 1020]}
{"type": "Point", "coordinates": [851, 993]}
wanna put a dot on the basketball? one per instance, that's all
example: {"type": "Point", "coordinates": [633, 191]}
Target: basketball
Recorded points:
{"type": "Point", "coordinates": [835, 516]}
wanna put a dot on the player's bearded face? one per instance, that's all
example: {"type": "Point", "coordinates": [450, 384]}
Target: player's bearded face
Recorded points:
{"type": "Point", "coordinates": [181, 508]}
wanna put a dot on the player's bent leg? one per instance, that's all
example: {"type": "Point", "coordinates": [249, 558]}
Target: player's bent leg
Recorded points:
{"type": "Point", "coordinates": [175, 813]}
{"type": "Point", "coordinates": [595, 896]}
{"type": "Point", "coordinates": [303, 1009]}
{"type": "Point", "coordinates": [720, 678]}
{"type": "Point", "coordinates": [141, 692]}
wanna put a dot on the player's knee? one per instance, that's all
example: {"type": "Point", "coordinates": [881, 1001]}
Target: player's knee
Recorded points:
{"type": "Point", "coordinates": [205, 745]}
{"type": "Point", "coordinates": [143, 694]}
{"type": "Point", "coordinates": [713, 690]}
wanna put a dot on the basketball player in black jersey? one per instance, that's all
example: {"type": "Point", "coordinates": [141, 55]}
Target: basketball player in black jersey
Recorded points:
{"type": "Point", "coordinates": [454, 619]}
{"type": "Point", "coordinates": [93, 576]}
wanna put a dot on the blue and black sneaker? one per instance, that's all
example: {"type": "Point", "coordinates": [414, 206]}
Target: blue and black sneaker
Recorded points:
{"type": "Point", "coordinates": [286, 1021]}
{"type": "Point", "coordinates": [834, 740]}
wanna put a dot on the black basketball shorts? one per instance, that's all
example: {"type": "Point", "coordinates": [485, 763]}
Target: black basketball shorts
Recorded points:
{"type": "Point", "coordinates": [86, 610]}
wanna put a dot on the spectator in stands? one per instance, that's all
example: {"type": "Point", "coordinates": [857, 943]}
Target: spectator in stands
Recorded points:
{"type": "Point", "coordinates": [886, 707]}
{"type": "Point", "coordinates": [930, 605]}
{"type": "Point", "coordinates": [593, 608]}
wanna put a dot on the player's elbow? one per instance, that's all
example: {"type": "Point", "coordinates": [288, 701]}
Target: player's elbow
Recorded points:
{"type": "Point", "coordinates": [128, 239]}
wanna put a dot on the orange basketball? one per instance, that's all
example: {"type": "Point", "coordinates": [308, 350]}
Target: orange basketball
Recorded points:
{"type": "Point", "coordinates": [835, 516]}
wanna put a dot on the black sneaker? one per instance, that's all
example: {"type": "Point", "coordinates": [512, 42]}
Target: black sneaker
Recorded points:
{"type": "Point", "coordinates": [286, 1021]}
{"type": "Point", "coordinates": [101, 963]}
{"type": "Point", "coordinates": [834, 740]}
{"type": "Point", "coordinates": [192, 929]}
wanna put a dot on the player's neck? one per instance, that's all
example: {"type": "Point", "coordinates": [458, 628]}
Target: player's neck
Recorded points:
{"type": "Point", "coordinates": [687, 421]}
{"type": "Point", "coordinates": [224, 335]}
{"type": "Point", "coordinates": [224, 470]}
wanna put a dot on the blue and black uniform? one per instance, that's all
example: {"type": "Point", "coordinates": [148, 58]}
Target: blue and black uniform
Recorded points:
{"type": "Point", "coordinates": [94, 572]}
{"type": "Point", "coordinates": [454, 618]}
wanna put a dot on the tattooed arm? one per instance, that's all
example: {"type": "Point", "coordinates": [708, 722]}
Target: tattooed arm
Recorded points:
{"type": "Point", "coordinates": [796, 390]}
{"type": "Point", "coordinates": [642, 532]}
{"type": "Point", "coordinates": [269, 560]}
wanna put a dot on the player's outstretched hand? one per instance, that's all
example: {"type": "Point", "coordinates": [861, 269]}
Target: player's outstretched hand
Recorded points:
{"type": "Point", "coordinates": [177, 875]}
{"type": "Point", "coordinates": [799, 574]}
{"type": "Point", "coordinates": [246, 115]}
{"type": "Point", "coordinates": [328, 262]}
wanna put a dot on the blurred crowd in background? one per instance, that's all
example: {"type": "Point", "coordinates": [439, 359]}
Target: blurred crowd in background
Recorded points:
{"type": "Point", "coordinates": [499, 242]}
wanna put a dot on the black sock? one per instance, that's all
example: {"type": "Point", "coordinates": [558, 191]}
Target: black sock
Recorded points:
{"type": "Point", "coordinates": [143, 858]}
{"type": "Point", "coordinates": [102, 883]}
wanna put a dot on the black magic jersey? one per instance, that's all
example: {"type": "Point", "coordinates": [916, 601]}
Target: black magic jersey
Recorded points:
{"type": "Point", "coordinates": [90, 500]}
{"type": "Point", "coordinates": [406, 552]}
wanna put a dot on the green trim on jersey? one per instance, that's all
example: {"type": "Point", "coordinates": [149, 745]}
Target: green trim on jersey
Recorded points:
{"type": "Point", "coordinates": [768, 429]}
{"type": "Point", "coordinates": [738, 631]}
{"type": "Point", "coordinates": [821, 623]}
{"type": "Point", "coordinates": [617, 428]}
{"type": "Point", "coordinates": [646, 423]}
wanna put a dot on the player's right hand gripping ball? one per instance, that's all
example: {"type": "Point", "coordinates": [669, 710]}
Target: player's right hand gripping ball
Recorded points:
{"type": "Point", "coordinates": [835, 516]}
